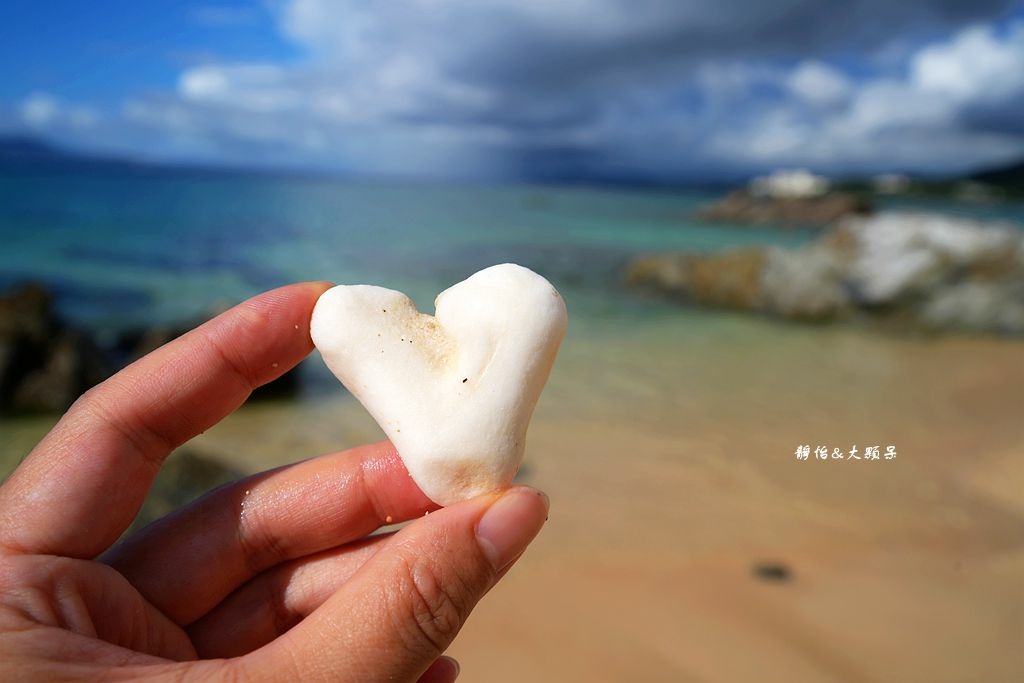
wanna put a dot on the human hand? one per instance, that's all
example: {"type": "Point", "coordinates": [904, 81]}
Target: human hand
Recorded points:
{"type": "Point", "coordinates": [270, 578]}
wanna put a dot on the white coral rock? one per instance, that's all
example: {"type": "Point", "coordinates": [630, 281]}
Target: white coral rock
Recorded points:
{"type": "Point", "coordinates": [454, 391]}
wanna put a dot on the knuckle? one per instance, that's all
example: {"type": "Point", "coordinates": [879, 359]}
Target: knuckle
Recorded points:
{"type": "Point", "coordinates": [282, 617]}
{"type": "Point", "coordinates": [259, 544]}
{"type": "Point", "coordinates": [434, 606]}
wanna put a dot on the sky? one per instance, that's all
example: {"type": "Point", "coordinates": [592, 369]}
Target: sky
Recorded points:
{"type": "Point", "coordinates": [666, 90]}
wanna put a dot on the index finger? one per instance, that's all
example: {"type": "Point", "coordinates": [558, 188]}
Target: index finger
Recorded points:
{"type": "Point", "coordinates": [85, 481]}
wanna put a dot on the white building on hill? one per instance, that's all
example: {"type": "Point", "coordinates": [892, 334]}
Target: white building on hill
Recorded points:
{"type": "Point", "coordinates": [790, 183]}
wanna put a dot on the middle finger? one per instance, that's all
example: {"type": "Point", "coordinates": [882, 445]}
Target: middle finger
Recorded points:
{"type": "Point", "coordinates": [189, 561]}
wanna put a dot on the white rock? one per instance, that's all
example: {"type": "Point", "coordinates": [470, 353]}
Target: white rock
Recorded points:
{"type": "Point", "coordinates": [454, 391]}
{"type": "Point", "coordinates": [980, 306]}
{"type": "Point", "coordinates": [805, 284]}
{"type": "Point", "coordinates": [900, 253]}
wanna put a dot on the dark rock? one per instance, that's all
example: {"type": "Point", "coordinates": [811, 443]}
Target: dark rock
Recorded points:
{"type": "Point", "coordinates": [152, 338]}
{"type": "Point", "coordinates": [26, 329]}
{"type": "Point", "coordinates": [740, 206]}
{"type": "Point", "coordinates": [772, 571]}
{"type": "Point", "coordinates": [28, 311]}
{"type": "Point", "coordinates": [286, 386]}
{"type": "Point", "coordinates": [45, 365]}
{"type": "Point", "coordinates": [74, 365]}
{"type": "Point", "coordinates": [185, 476]}
{"type": "Point", "coordinates": [133, 344]}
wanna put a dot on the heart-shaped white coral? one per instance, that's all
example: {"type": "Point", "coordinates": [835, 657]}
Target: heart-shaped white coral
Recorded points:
{"type": "Point", "coordinates": [454, 391]}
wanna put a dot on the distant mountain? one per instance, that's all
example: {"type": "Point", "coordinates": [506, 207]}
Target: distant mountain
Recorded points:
{"type": "Point", "coordinates": [27, 150]}
{"type": "Point", "coordinates": [1010, 177]}
{"type": "Point", "coordinates": [25, 153]}
{"type": "Point", "coordinates": [18, 154]}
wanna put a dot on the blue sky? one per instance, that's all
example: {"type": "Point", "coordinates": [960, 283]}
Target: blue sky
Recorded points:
{"type": "Point", "coordinates": [534, 89]}
{"type": "Point", "coordinates": [104, 52]}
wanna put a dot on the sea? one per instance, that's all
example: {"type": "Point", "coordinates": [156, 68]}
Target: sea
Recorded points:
{"type": "Point", "coordinates": [124, 249]}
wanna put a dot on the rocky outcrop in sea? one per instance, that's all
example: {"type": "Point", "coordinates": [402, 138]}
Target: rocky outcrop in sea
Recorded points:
{"type": "Point", "coordinates": [746, 206]}
{"type": "Point", "coordinates": [912, 269]}
{"type": "Point", "coordinates": [46, 363]}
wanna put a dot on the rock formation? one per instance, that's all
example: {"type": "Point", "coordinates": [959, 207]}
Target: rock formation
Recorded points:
{"type": "Point", "coordinates": [931, 271]}
{"type": "Point", "coordinates": [743, 206]}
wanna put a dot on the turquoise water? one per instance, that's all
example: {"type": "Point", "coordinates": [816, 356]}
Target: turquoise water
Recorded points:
{"type": "Point", "coordinates": [124, 249]}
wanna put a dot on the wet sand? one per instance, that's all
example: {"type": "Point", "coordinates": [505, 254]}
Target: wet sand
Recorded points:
{"type": "Point", "coordinates": [669, 459]}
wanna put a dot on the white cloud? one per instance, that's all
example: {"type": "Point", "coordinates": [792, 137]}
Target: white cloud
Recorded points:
{"type": "Point", "coordinates": [254, 87]}
{"type": "Point", "coordinates": [977, 63]}
{"type": "Point", "coordinates": [162, 115]}
{"type": "Point", "coordinates": [889, 103]}
{"type": "Point", "coordinates": [819, 84]}
{"type": "Point", "coordinates": [914, 120]}
{"type": "Point", "coordinates": [977, 66]}
{"type": "Point", "coordinates": [39, 109]}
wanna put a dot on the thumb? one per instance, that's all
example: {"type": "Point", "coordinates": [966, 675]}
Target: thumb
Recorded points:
{"type": "Point", "coordinates": [404, 607]}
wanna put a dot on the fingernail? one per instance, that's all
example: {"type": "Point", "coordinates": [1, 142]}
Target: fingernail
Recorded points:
{"type": "Point", "coordinates": [510, 524]}
{"type": "Point", "coordinates": [454, 664]}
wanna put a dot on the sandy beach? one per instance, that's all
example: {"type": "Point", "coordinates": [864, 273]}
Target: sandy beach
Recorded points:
{"type": "Point", "coordinates": [670, 462]}
{"type": "Point", "coordinates": [904, 570]}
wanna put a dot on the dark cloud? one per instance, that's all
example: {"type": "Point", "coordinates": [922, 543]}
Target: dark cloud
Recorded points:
{"type": "Point", "coordinates": [542, 89]}
{"type": "Point", "coordinates": [660, 85]}
{"type": "Point", "coordinates": [1003, 116]}
{"type": "Point", "coordinates": [544, 52]}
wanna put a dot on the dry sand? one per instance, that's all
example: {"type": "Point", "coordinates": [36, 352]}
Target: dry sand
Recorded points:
{"type": "Point", "coordinates": [903, 570]}
{"type": "Point", "coordinates": [672, 474]}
